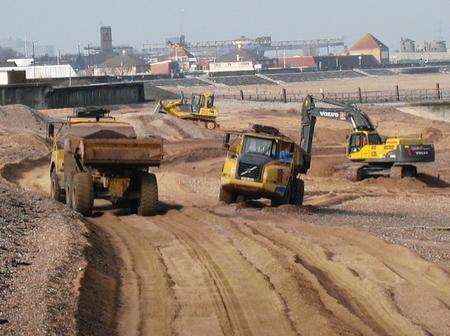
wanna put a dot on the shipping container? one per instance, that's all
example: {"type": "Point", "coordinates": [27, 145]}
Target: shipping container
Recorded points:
{"type": "Point", "coordinates": [166, 68]}
{"type": "Point", "coordinates": [12, 77]}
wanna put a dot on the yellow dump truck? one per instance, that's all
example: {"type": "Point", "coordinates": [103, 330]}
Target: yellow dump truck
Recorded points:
{"type": "Point", "coordinates": [98, 157]}
{"type": "Point", "coordinates": [261, 163]}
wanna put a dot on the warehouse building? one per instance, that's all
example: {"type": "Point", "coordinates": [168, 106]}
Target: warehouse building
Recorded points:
{"type": "Point", "coordinates": [121, 65]}
{"type": "Point", "coordinates": [43, 71]}
{"type": "Point", "coordinates": [370, 45]}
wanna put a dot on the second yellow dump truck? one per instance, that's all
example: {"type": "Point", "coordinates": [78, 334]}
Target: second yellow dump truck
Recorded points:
{"type": "Point", "coordinates": [262, 163]}
{"type": "Point", "coordinates": [101, 158]}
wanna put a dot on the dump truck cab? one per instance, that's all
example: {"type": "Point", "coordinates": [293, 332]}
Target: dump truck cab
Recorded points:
{"type": "Point", "coordinates": [100, 157]}
{"type": "Point", "coordinates": [261, 163]}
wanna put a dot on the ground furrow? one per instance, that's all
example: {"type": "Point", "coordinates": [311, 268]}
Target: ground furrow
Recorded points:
{"type": "Point", "coordinates": [246, 292]}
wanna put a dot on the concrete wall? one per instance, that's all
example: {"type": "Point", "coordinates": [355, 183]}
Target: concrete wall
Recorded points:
{"type": "Point", "coordinates": [32, 95]}
{"type": "Point", "coordinates": [96, 95]}
{"type": "Point", "coordinates": [41, 96]}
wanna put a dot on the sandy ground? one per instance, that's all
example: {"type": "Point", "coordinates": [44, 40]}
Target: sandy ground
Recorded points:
{"type": "Point", "coordinates": [350, 85]}
{"type": "Point", "coordinates": [367, 258]}
{"type": "Point", "coordinates": [41, 242]}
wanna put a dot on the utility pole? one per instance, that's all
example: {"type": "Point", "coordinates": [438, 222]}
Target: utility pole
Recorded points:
{"type": "Point", "coordinates": [34, 60]}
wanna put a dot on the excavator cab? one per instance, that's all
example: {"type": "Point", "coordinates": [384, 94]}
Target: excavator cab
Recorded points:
{"type": "Point", "coordinates": [358, 140]}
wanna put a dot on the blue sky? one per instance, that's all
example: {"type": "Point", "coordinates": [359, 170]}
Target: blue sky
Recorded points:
{"type": "Point", "coordinates": [67, 23]}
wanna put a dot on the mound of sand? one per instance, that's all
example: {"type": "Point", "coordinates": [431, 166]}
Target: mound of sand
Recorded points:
{"type": "Point", "coordinates": [166, 127]}
{"type": "Point", "coordinates": [21, 118]}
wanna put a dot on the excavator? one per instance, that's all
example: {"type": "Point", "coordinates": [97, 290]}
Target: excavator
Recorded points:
{"type": "Point", "coordinates": [373, 154]}
{"type": "Point", "coordinates": [200, 109]}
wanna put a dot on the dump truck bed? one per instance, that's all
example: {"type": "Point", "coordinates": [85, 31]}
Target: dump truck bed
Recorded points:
{"type": "Point", "coordinates": [123, 151]}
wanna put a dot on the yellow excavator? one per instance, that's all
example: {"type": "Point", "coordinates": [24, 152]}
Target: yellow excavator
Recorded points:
{"type": "Point", "coordinates": [200, 109]}
{"type": "Point", "coordinates": [373, 154]}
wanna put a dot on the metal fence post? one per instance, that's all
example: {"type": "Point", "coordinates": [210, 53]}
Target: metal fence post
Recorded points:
{"type": "Point", "coordinates": [438, 91]}
{"type": "Point", "coordinates": [242, 94]}
{"type": "Point", "coordinates": [397, 93]}
{"type": "Point", "coordinates": [284, 95]}
{"type": "Point", "coordinates": [360, 95]}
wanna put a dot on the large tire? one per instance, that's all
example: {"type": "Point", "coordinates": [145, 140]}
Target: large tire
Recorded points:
{"type": "Point", "coordinates": [299, 192]}
{"type": "Point", "coordinates": [55, 189]}
{"type": "Point", "coordinates": [147, 205]}
{"type": "Point", "coordinates": [227, 197]}
{"type": "Point", "coordinates": [82, 193]}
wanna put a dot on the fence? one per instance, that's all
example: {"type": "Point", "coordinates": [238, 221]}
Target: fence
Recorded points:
{"type": "Point", "coordinates": [360, 96]}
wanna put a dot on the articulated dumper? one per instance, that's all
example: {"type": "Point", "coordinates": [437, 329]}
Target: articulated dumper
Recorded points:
{"type": "Point", "coordinates": [102, 158]}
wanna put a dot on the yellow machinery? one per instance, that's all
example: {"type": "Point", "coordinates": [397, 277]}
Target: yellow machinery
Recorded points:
{"type": "Point", "coordinates": [377, 156]}
{"type": "Point", "coordinates": [200, 109]}
{"type": "Point", "coordinates": [100, 157]}
{"type": "Point", "coordinates": [261, 163]}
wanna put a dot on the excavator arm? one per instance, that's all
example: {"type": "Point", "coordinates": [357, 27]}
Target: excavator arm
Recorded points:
{"type": "Point", "coordinates": [331, 110]}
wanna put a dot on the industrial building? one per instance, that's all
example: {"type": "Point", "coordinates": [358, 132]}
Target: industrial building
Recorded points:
{"type": "Point", "coordinates": [121, 65]}
{"type": "Point", "coordinates": [407, 45]}
{"type": "Point", "coordinates": [370, 45]}
{"type": "Point", "coordinates": [43, 71]}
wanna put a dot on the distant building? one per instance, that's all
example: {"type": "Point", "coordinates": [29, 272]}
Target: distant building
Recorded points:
{"type": "Point", "coordinates": [407, 45]}
{"type": "Point", "coordinates": [180, 54]}
{"type": "Point", "coordinates": [44, 71]}
{"type": "Point", "coordinates": [433, 46]}
{"type": "Point", "coordinates": [106, 44]}
{"type": "Point", "coordinates": [12, 77]}
{"type": "Point", "coordinates": [370, 45]}
{"type": "Point", "coordinates": [238, 60]}
{"type": "Point", "coordinates": [121, 65]}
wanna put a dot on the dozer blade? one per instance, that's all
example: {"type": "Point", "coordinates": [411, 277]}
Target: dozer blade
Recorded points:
{"type": "Point", "coordinates": [159, 109]}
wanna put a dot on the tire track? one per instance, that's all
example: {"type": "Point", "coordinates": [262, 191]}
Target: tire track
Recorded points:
{"type": "Point", "coordinates": [364, 299]}
{"type": "Point", "coordinates": [250, 304]}
{"type": "Point", "coordinates": [155, 309]}
{"type": "Point", "coordinates": [303, 304]}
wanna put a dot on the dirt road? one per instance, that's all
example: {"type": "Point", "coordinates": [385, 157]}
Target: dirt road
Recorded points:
{"type": "Point", "coordinates": [248, 269]}
{"type": "Point", "coordinates": [204, 268]}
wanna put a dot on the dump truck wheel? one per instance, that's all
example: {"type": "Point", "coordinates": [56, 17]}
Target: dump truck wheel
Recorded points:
{"type": "Point", "coordinates": [147, 204]}
{"type": "Point", "coordinates": [299, 192]}
{"type": "Point", "coordinates": [82, 193]}
{"type": "Point", "coordinates": [227, 197]}
{"type": "Point", "coordinates": [55, 190]}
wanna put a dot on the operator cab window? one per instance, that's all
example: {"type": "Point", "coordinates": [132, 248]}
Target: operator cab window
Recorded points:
{"type": "Point", "coordinates": [210, 102]}
{"type": "Point", "coordinates": [260, 146]}
{"type": "Point", "coordinates": [375, 139]}
{"type": "Point", "coordinates": [286, 152]}
{"type": "Point", "coordinates": [357, 141]}
{"type": "Point", "coordinates": [196, 104]}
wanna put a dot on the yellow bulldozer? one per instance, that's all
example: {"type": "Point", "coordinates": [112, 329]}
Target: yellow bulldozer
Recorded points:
{"type": "Point", "coordinates": [200, 109]}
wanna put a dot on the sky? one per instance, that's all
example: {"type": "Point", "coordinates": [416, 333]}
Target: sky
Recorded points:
{"type": "Point", "coordinates": [65, 24]}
